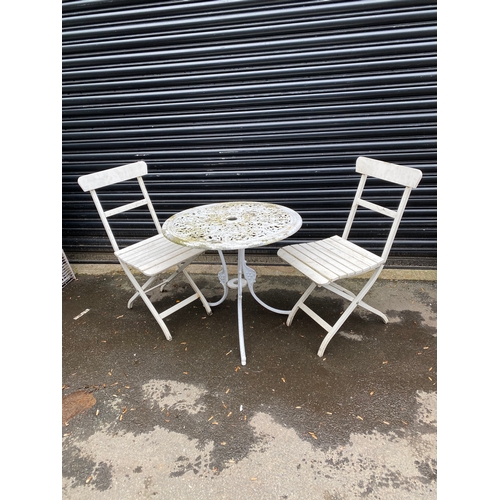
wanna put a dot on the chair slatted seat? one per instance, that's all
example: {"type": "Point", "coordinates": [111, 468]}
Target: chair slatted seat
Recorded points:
{"type": "Point", "coordinates": [155, 255]}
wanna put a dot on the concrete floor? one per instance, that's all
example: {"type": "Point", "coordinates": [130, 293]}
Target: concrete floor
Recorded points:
{"type": "Point", "coordinates": [148, 418]}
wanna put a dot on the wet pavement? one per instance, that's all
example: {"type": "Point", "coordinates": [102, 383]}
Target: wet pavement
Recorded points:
{"type": "Point", "coordinates": [147, 418]}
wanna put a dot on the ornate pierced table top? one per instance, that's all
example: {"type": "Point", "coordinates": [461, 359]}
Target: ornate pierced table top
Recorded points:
{"type": "Point", "coordinates": [232, 225]}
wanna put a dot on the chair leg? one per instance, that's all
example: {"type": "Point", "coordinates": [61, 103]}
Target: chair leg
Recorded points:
{"type": "Point", "coordinates": [141, 291]}
{"type": "Point", "coordinates": [198, 292]}
{"type": "Point", "coordinates": [355, 302]}
{"type": "Point", "coordinates": [347, 294]}
{"type": "Point", "coordinates": [145, 287]}
{"type": "Point", "coordinates": [302, 299]}
{"type": "Point", "coordinates": [146, 300]}
{"type": "Point", "coordinates": [182, 268]}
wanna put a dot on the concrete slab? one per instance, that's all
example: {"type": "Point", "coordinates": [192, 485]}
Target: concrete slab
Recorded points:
{"type": "Point", "coordinates": [183, 419]}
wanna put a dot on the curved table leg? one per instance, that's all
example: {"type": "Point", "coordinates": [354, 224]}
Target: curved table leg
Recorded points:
{"type": "Point", "coordinates": [246, 276]}
{"type": "Point", "coordinates": [223, 278]}
{"type": "Point", "coordinates": [251, 276]}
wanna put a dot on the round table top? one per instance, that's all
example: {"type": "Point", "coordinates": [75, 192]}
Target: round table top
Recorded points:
{"type": "Point", "coordinates": [232, 225]}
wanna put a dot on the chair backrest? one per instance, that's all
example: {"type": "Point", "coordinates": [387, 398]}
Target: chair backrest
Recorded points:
{"type": "Point", "coordinates": [406, 177]}
{"type": "Point", "coordinates": [97, 180]}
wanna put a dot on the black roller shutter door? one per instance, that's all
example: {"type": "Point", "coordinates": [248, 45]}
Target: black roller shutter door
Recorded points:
{"type": "Point", "coordinates": [266, 101]}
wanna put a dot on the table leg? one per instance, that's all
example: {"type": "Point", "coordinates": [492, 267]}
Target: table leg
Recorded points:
{"type": "Point", "coordinates": [251, 276]}
{"type": "Point", "coordinates": [223, 278]}
{"type": "Point", "coordinates": [246, 276]}
{"type": "Point", "coordinates": [241, 263]}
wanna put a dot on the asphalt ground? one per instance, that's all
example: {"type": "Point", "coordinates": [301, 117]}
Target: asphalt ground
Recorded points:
{"type": "Point", "coordinates": [147, 418]}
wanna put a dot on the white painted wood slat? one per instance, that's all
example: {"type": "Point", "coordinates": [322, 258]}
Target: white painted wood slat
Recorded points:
{"type": "Point", "coordinates": [328, 260]}
{"type": "Point", "coordinates": [110, 176]}
{"type": "Point", "coordinates": [124, 208]}
{"type": "Point", "coordinates": [303, 262]}
{"type": "Point", "coordinates": [390, 172]}
{"type": "Point", "coordinates": [348, 253]}
{"type": "Point", "coordinates": [377, 208]}
{"type": "Point", "coordinates": [155, 255]}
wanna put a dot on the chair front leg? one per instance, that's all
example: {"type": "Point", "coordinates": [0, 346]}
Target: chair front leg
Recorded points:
{"type": "Point", "coordinates": [144, 287]}
{"type": "Point", "coordinates": [347, 294]}
{"type": "Point", "coordinates": [355, 302]}
{"type": "Point", "coordinates": [302, 299]}
{"type": "Point", "coordinates": [198, 292]}
{"type": "Point", "coordinates": [180, 269]}
{"type": "Point", "coordinates": [145, 298]}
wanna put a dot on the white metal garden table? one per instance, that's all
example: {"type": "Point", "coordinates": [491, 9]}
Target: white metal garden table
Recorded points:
{"type": "Point", "coordinates": [236, 225]}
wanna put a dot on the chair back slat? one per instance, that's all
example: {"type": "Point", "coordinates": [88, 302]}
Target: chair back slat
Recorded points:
{"type": "Point", "coordinates": [398, 174]}
{"type": "Point", "coordinates": [377, 208]}
{"type": "Point", "coordinates": [125, 208]}
{"type": "Point", "coordinates": [110, 176]}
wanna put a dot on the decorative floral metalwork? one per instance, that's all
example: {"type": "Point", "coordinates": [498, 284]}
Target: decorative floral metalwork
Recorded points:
{"type": "Point", "coordinates": [232, 225]}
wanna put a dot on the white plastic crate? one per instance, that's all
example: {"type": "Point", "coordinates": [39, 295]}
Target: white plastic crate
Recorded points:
{"type": "Point", "coordinates": [67, 273]}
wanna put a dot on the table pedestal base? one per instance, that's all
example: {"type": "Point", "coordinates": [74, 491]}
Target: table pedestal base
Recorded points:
{"type": "Point", "coordinates": [246, 277]}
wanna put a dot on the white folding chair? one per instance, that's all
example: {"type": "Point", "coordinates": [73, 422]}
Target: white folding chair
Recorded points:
{"type": "Point", "coordinates": [326, 261]}
{"type": "Point", "coordinates": [152, 256]}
